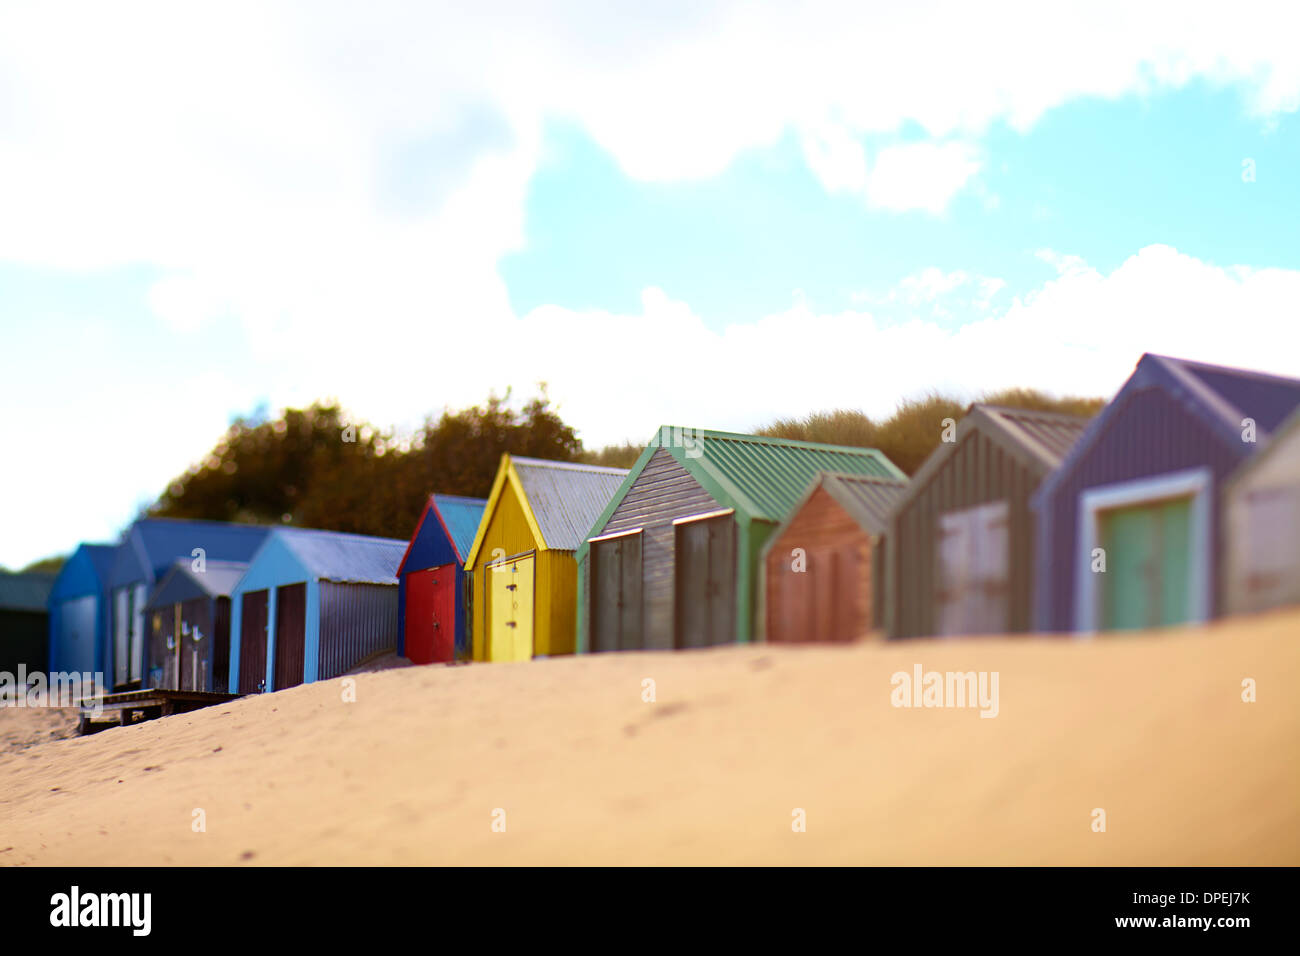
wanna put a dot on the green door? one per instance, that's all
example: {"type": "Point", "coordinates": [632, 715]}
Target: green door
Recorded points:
{"type": "Point", "coordinates": [1148, 563]}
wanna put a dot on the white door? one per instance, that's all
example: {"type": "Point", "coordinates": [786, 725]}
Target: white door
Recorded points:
{"type": "Point", "coordinates": [76, 647]}
{"type": "Point", "coordinates": [1271, 551]}
{"type": "Point", "coordinates": [139, 596]}
{"type": "Point", "coordinates": [121, 635]}
{"type": "Point", "coordinates": [971, 557]}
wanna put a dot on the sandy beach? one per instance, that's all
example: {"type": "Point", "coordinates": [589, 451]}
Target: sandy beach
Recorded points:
{"type": "Point", "coordinates": [580, 769]}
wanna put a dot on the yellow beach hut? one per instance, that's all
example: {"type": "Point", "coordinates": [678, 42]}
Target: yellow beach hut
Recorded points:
{"type": "Point", "coordinates": [522, 571]}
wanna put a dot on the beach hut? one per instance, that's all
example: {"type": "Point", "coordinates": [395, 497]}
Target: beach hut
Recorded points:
{"type": "Point", "coordinates": [24, 621]}
{"type": "Point", "coordinates": [433, 593]}
{"type": "Point", "coordinates": [1129, 526]}
{"type": "Point", "coordinates": [148, 550]}
{"type": "Point", "coordinates": [1261, 503]}
{"type": "Point", "coordinates": [312, 606]}
{"type": "Point", "coordinates": [523, 574]}
{"type": "Point", "coordinates": [187, 619]}
{"type": "Point", "coordinates": [823, 566]}
{"type": "Point", "coordinates": [79, 618]}
{"type": "Point", "coordinates": [672, 561]}
{"type": "Point", "coordinates": [961, 549]}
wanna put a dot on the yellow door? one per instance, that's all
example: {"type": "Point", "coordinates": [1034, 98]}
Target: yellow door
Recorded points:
{"type": "Point", "coordinates": [510, 609]}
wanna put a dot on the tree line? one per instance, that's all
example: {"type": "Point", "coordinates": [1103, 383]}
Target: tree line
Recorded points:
{"type": "Point", "coordinates": [317, 468]}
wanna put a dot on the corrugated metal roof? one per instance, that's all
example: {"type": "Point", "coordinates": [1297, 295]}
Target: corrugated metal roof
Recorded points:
{"type": "Point", "coordinates": [25, 592]}
{"type": "Point", "coordinates": [152, 544]}
{"type": "Point", "coordinates": [101, 556]}
{"type": "Point", "coordinates": [772, 474]}
{"type": "Point", "coordinates": [566, 498]}
{"type": "Point", "coordinates": [1284, 434]}
{"type": "Point", "coordinates": [868, 499]}
{"type": "Point", "coordinates": [183, 583]}
{"type": "Point", "coordinates": [1047, 435]}
{"type": "Point", "coordinates": [461, 516]}
{"type": "Point", "coordinates": [346, 558]}
{"type": "Point", "coordinates": [1216, 394]}
{"type": "Point", "coordinates": [1268, 399]}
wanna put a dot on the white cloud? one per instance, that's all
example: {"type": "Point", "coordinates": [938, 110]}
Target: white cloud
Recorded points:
{"type": "Point", "coordinates": [921, 175]}
{"type": "Point", "coordinates": [837, 159]}
{"type": "Point", "coordinates": [183, 302]}
{"type": "Point", "coordinates": [333, 187]}
{"type": "Point", "coordinates": [931, 291]}
{"type": "Point", "coordinates": [906, 176]}
{"type": "Point", "coordinates": [160, 133]}
{"type": "Point", "coordinates": [1079, 333]}
{"type": "Point", "coordinates": [1063, 264]}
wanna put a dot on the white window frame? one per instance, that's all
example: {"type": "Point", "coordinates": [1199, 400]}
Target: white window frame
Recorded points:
{"type": "Point", "coordinates": [1198, 483]}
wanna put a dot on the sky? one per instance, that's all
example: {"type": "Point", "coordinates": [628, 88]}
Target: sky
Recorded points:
{"type": "Point", "coordinates": [700, 214]}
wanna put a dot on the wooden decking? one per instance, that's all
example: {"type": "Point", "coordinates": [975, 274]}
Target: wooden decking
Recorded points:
{"type": "Point", "coordinates": [113, 710]}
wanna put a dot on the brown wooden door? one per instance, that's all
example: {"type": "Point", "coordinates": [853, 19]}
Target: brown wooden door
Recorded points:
{"type": "Point", "coordinates": [290, 634]}
{"type": "Point", "coordinates": [220, 645]}
{"type": "Point", "coordinates": [252, 643]}
{"type": "Point", "coordinates": [616, 606]}
{"type": "Point", "coordinates": [704, 594]}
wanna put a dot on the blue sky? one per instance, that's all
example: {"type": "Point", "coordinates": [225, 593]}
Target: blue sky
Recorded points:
{"type": "Point", "coordinates": [1095, 178]}
{"type": "Point", "coordinates": [713, 215]}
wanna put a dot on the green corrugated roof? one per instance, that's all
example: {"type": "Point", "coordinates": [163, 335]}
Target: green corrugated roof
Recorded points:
{"type": "Point", "coordinates": [768, 476]}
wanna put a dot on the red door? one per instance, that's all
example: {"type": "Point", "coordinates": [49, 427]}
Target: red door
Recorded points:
{"type": "Point", "coordinates": [431, 615]}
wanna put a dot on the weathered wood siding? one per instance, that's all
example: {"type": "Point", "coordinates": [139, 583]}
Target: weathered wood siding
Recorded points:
{"type": "Point", "coordinates": [977, 472]}
{"type": "Point", "coordinates": [662, 492]}
{"type": "Point", "coordinates": [1261, 520]}
{"type": "Point", "coordinates": [832, 599]}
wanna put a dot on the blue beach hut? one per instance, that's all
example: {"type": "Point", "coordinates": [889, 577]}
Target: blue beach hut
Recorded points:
{"type": "Point", "coordinates": [311, 606]}
{"type": "Point", "coordinates": [78, 605]}
{"type": "Point", "coordinates": [148, 550]}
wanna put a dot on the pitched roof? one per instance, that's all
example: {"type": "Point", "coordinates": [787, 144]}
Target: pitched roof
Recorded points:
{"type": "Point", "coordinates": [25, 592]}
{"type": "Point", "coordinates": [85, 573]}
{"type": "Point", "coordinates": [152, 544]}
{"type": "Point", "coordinates": [344, 558]}
{"type": "Point", "coordinates": [457, 520]}
{"type": "Point", "coordinates": [1284, 434]}
{"type": "Point", "coordinates": [1239, 393]}
{"type": "Point", "coordinates": [868, 499]}
{"type": "Point", "coordinates": [761, 477]}
{"type": "Point", "coordinates": [1219, 395]}
{"type": "Point", "coordinates": [461, 517]}
{"type": "Point", "coordinates": [1039, 441]}
{"type": "Point", "coordinates": [183, 583]}
{"type": "Point", "coordinates": [1047, 436]}
{"type": "Point", "coordinates": [565, 498]}
{"type": "Point", "coordinates": [101, 557]}
{"type": "Point", "coordinates": [767, 476]}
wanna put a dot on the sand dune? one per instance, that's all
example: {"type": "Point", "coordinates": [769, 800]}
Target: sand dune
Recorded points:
{"type": "Point", "coordinates": [1151, 728]}
{"type": "Point", "coordinates": [24, 728]}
